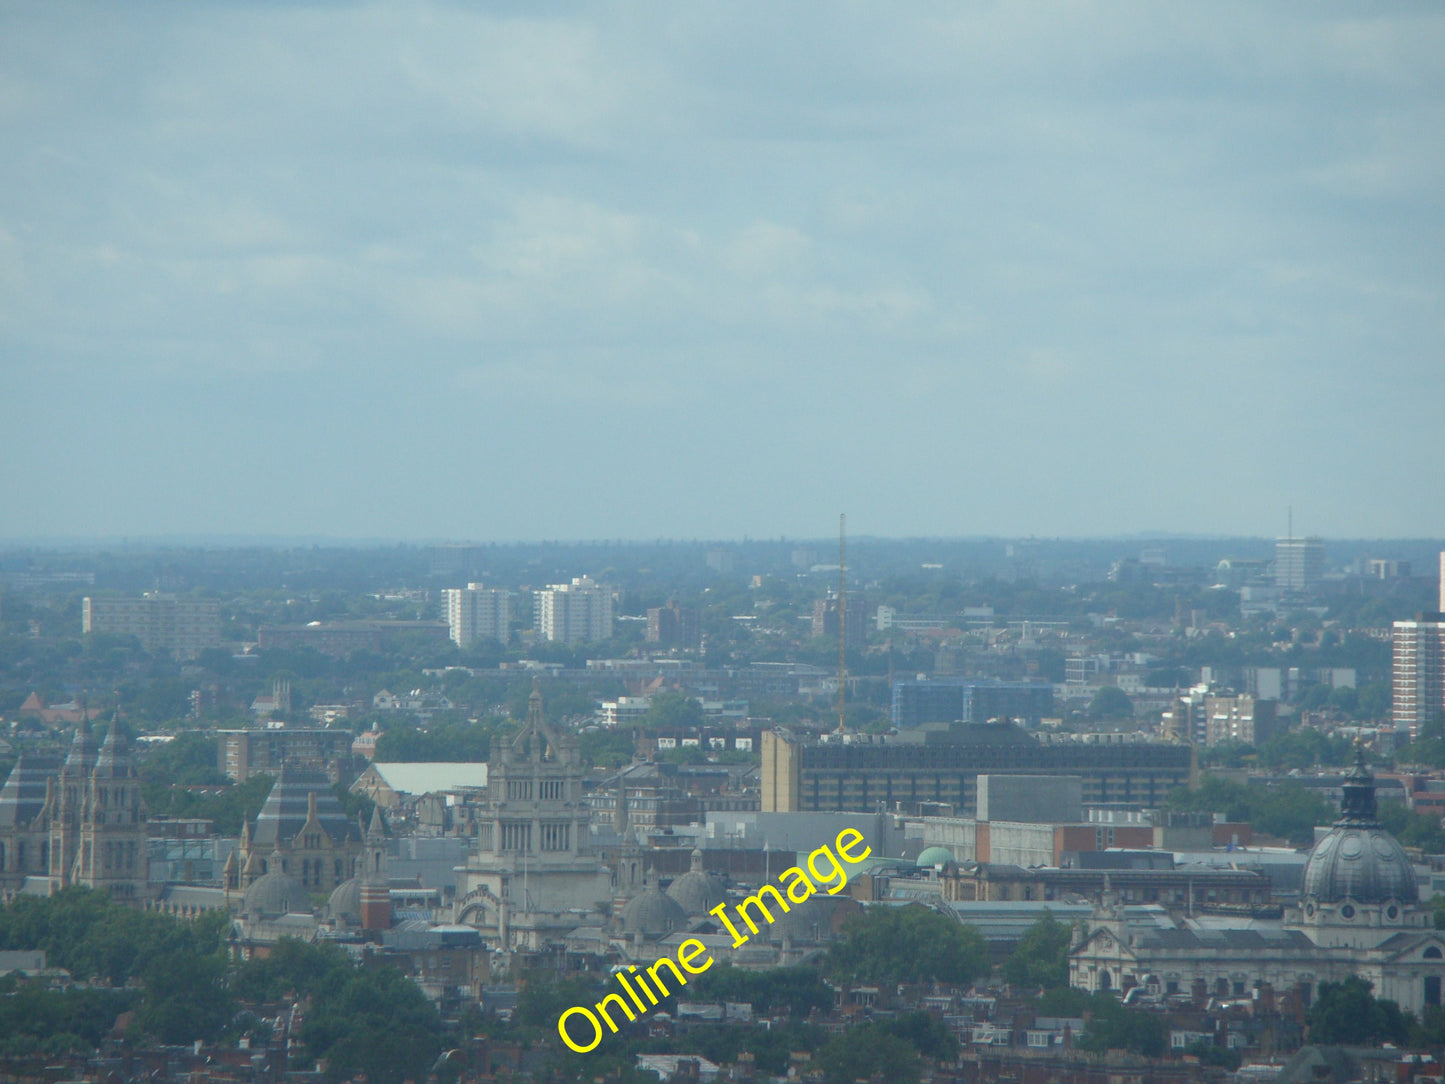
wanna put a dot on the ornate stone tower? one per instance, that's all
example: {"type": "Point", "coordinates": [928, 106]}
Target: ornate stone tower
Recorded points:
{"type": "Point", "coordinates": [533, 873]}
{"type": "Point", "coordinates": [113, 823]}
{"type": "Point", "coordinates": [68, 802]}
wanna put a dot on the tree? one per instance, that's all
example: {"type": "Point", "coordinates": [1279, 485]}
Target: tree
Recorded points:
{"type": "Point", "coordinates": [606, 748]}
{"type": "Point", "coordinates": [1111, 702]}
{"type": "Point", "coordinates": [378, 1023]}
{"type": "Point", "coordinates": [861, 1052]}
{"type": "Point", "coordinates": [190, 758]}
{"type": "Point", "coordinates": [673, 711]}
{"type": "Point", "coordinates": [906, 944]}
{"type": "Point", "coordinates": [926, 1033]}
{"type": "Point", "coordinates": [186, 997]}
{"type": "Point", "coordinates": [457, 742]}
{"type": "Point", "coordinates": [1347, 1014]}
{"type": "Point", "coordinates": [1413, 829]}
{"type": "Point", "coordinates": [1287, 810]}
{"type": "Point", "coordinates": [1042, 955]}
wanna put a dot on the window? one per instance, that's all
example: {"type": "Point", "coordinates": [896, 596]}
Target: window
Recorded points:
{"type": "Point", "coordinates": [1431, 953]}
{"type": "Point", "coordinates": [517, 836]}
{"type": "Point", "coordinates": [1432, 990]}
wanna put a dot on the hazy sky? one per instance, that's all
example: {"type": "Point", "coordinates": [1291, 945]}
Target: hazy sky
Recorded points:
{"type": "Point", "coordinates": [490, 271]}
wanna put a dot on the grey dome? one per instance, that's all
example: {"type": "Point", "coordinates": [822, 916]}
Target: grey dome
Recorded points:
{"type": "Point", "coordinates": [1360, 863]}
{"type": "Point", "coordinates": [276, 894]}
{"type": "Point", "coordinates": [345, 902]}
{"type": "Point", "coordinates": [806, 924]}
{"type": "Point", "coordinates": [696, 891]}
{"type": "Point", "coordinates": [1357, 859]}
{"type": "Point", "coordinates": [653, 914]}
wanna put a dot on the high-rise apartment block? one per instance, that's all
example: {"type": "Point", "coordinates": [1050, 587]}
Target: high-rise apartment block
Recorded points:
{"type": "Point", "coordinates": [475, 612]}
{"type": "Point", "coordinates": [673, 626]}
{"type": "Point", "coordinates": [825, 620]}
{"type": "Point", "coordinates": [1299, 563]}
{"type": "Point", "coordinates": [1418, 667]}
{"type": "Point", "coordinates": [576, 612]}
{"type": "Point", "coordinates": [183, 627]}
{"type": "Point", "coordinates": [1242, 718]}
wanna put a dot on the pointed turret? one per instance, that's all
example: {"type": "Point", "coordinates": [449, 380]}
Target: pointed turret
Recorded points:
{"type": "Point", "coordinates": [1358, 805]}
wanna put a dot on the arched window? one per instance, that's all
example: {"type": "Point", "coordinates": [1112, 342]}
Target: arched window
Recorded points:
{"type": "Point", "coordinates": [1431, 953]}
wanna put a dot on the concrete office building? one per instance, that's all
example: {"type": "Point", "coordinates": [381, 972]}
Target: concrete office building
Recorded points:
{"type": "Point", "coordinates": [162, 623]}
{"type": "Point", "coordinates": [916, 703]}
{"type": "Point", "coordinates": [1299, 563]}
{"type": "Point", "coordinates": [574, 613]}
{"type": "Point", "coordinates": [807, 776]}
{"type": "Point", "coordinates": [476, 612]}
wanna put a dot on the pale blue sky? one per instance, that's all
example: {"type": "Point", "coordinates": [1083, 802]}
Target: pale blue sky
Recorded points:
{"type": "Point", "coordinates": [427, 270]}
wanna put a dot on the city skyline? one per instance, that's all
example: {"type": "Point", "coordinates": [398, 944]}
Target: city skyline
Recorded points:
{"type": "Point", "coordinates": [417, 271]}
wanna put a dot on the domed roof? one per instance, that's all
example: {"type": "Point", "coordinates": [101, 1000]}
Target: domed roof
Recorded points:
{"type": "Point", "coordinates": [805, 923]}
{"type": "Point", "coordinates": [275, 894]}
{"type": "Point", "coordinates": [653, 914]}
{"type": "Point", "coordinates": [934, 856]}
{"type": "Point", "coordinates": [697, 891]}
{"type": "Point", "coordinates": [345, 902]}
{"type": "Point", "coordinates": [1357, 859]}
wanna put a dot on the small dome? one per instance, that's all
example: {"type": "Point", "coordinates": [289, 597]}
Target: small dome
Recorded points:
{"type": "Point", "coordinates": [1357, 859]}
{"type": "Point", "coordinates": [697, 891]}
{"type": "Point", "coordinates": [276, 894]}
{"type": "Point", "coordinates": [805, 924]}
{"type": "Point", "coordinates": [935, 856]}
{"type": "Point", "coordinates": [653, 914]}
{"type": "Point", "coordinates": [345, 902]}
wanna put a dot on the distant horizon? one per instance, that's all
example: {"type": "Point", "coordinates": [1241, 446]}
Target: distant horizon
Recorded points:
{"type": "Point", "coordinates": [280, 541]}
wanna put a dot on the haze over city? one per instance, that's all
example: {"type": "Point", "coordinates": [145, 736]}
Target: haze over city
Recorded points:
{"type": "Point", "coordinates": [427, 271]}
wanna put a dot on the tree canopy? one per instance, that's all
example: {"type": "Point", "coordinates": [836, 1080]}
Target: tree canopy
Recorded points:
{"type": "Point", "coordinates": [1346, 1013]}
{"type": "Point", "coordinates": [1111, 702]}
{"type": "Point", "coordinates": [1286, 810]}
{"type": "Point", "coordinates": [1041, 957]}
{"type": "Point", "coordinates": [906, 944]}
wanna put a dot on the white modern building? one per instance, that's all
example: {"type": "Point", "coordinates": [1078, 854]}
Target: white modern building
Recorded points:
{"type": "Point", "coordinates": [475, 612]}
{"type": "Point", "coordinates": [575, 612]}
{"type": "Point", "coordinates": [1299, 563]}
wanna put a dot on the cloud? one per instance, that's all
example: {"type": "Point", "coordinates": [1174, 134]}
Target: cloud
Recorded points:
{"type": "Point", "coordinates": [753, 223]}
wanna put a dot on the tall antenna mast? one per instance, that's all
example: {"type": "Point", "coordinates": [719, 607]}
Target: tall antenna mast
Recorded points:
{"type": "Point", "coordinates": [842, 615]}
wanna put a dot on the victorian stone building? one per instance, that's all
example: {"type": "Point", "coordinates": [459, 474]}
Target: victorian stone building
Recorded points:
{"type": "Point", "coordinates": [1359, 913]}
{"type": "Point", "coordinates": [532, 876]}
{"type": "Point", "coordinates": [83, 825]}
{"type": "Point", "coordinates": [302, 832]}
